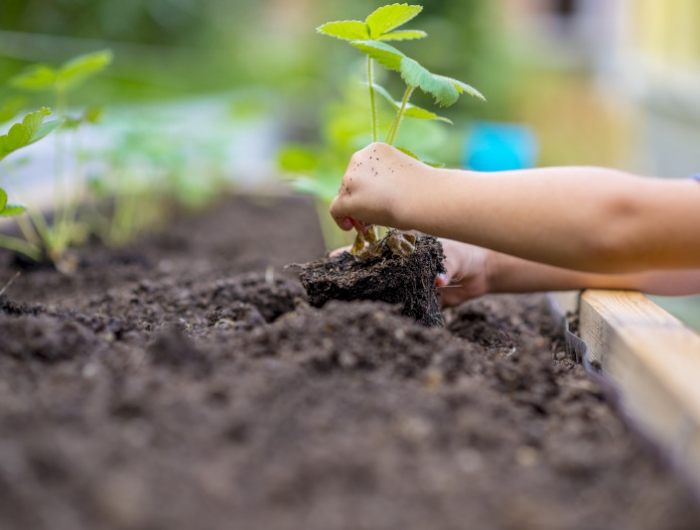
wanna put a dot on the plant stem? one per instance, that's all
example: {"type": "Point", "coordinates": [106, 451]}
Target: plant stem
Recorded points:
{"type": "Point", "coordinates": [395, 127]}
{"type": "Point", "coordinates": [28, 230]}
{"type": "Point", "coordinates": [70, 207]}
{"type": "Point", "coordinates": [21, 246]}
{"type": "Point", "coordinates": [60, 196]}
{"type": "Point", "coordinates": [372, 103]}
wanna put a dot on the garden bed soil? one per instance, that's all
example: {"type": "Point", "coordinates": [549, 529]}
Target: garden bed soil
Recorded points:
{"type": "Point", "coordinates": [185, 383]}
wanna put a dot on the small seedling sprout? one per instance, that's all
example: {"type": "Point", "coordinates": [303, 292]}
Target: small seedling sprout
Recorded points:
{"type": "Point", "coordinates": [30, 130]}
{"type": "Point", "coordinates": [44, 241]}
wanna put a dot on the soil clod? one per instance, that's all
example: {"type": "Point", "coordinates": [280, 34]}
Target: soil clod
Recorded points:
{"type": "Point", "coordinates": [407, 280]}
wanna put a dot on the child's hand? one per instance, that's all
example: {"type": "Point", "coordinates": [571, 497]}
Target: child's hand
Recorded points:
{"type": "Point", "coordinates": [375, 187]}
{"type": "Point", "coordinates": [467, 273]}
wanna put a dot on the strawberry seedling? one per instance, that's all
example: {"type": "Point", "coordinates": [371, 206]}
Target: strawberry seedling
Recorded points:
{"type": "Point", "coordinates": [50, 242]}
{"type": "Point", "coordinates": [370, 37]}
{"type": "Point", "coordinates": [30, 130]}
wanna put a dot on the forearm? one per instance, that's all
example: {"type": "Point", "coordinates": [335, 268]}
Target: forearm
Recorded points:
{"type": "Point", "coordinates": [508, 274]}
{"type": "Point", "coordinates": [588, 219]}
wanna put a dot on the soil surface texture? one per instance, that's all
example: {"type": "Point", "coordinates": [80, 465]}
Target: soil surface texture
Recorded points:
{"type": "Point", "coordinates": [185, 382]}
{"type": "Point", "coordinates": [405, 281]}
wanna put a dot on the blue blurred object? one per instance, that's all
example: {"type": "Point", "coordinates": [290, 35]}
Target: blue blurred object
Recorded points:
{"type": "Point", "coordinates": [491, 146]}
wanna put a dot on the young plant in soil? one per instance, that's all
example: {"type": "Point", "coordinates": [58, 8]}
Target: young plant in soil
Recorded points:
{"type": "Point", "coordinates": [50, 242]}
{"type": "Point", "coordinates": [400, 268]}
{"type": "Point", "coordinates": [30, 130]}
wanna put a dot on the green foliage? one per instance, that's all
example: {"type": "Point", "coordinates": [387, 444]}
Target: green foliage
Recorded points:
{"type": "Point", "coordinates": [385, 54]}
{"type": "Point", "coordinates": [68, 76]}
{"type": "Point", "coordinates": [8, 209]}
{"type": "Point", "coordinates": [377, 26]}
{"type": "Point", "coordinates": [41, 240]}
{"type": "Point", "coordinates": [318, 171]}
{"type": "Point", "coordinates": [411, 111]}
{"type": "Point", "coordinates": [30, 130]}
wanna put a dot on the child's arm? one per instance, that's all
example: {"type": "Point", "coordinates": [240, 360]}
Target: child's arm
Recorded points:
{"type": "Point", "coordinates": [474, 271]}
{"type": "Point", "coordinates": [588, 219]}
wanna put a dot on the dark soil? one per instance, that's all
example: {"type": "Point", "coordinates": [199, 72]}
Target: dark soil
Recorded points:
{"type": "Point", "coordinates": [407, 282]}
{"type": "Point", "coordinates": [184, 383]}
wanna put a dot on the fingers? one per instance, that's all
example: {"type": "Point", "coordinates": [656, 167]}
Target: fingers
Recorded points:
{"type": "Point", "coordinates": [345, 223]}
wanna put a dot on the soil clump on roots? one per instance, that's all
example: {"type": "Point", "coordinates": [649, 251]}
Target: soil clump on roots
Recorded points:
{"type": "Point", "coordinates": [408, 282]}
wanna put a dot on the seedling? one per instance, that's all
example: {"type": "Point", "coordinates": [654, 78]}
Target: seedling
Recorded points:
{"type": "Point", "coordinates": [30, 130]}
{"type": "Point", "coordinates": [370, 37]}
{"type": "Point", "coordinates": [44, 241]}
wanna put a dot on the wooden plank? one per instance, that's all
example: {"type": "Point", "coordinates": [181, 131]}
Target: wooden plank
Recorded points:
{"type": "Point", "coordinates": [654, 362]}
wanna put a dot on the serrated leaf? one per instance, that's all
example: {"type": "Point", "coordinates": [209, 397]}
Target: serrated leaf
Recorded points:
{"type": "Point", "coordinates": [35, 78]}
{"type": "Point", "coordinates": [412, 111]}
{"type": "Point", "coordinates": [345, 30]}
{"type": "Point", "coordinates": [24, 133]}
{"type": "Point", "coordinates": [462, 87]}
{"type": "Point", "coordinates": [3, 199]}
{"type": "Point", "coordinates": [12, 208]}
{"type": "Point", "coordinates": [407, 34]}
{"type": "Point", "coordinates": [386, 55]}
{"type": "Point", "coordinates": [439, 87]}
{"type": "Point", "coordinates": [423, 114]}
{"type": "Point", "coordinates": [408, 152]}
{"type": "Point", "coordinates": [83, 67]}
{"type": "Point", "coordinates": [414, 155]}
{"type": "Point", "coordinates": [389, 17]}
{"type": "Point", "coordinates": [11, 107]}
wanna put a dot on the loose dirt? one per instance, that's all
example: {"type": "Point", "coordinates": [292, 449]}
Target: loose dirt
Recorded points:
{"type": "Point", "coordinates": [185, 383]}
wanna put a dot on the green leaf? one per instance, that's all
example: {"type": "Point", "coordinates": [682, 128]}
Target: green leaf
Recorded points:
{"type": "Point", "coordinates": [440, 88]}
{"type": "Point", "coordinates": [386, 55]}
{"type": "Point", "coordinates": [25, 133]}
{"type": "Point", "coordinates": [12, 209]}
{"type": "Point", "coordinates": [93, 114]}
{"type": "Point", "coordinates": [414, 155]}
{"type": "Point", "coordinates": [46, 129]}
{"type": "Point", "coordinates": [345, 29]}
{"type": "Point", "coordinates": [35, 78]}
{"type": "Point", "coordinates": [423, 114]}
{"type": "Point", "coordinates": [403, 35]}
{"type": "Point", "coordinates": [11, 107]}
{"type": "Point", "coordinates": [412, 111]}
{"type": "Point", "coordinates": [389, 17]}
{"type": "Point", "coordinates": [3, 199]}
{"type": "Point", "coordinates": [462, 87]}
{"type": "Point", "coordinates": [385, 94]}
{"type": "Point", "coordinates": [83, 67]}
{"type": "Point", "coordinates": [321, 188]}
{"type": "Point", "coordinates": [408, 152]}
{"type": "Point", "coordinates": [297, 160]}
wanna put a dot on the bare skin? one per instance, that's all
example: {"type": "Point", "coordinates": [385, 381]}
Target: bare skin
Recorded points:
{"type": "Point", "coordinates": [533, 230]}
